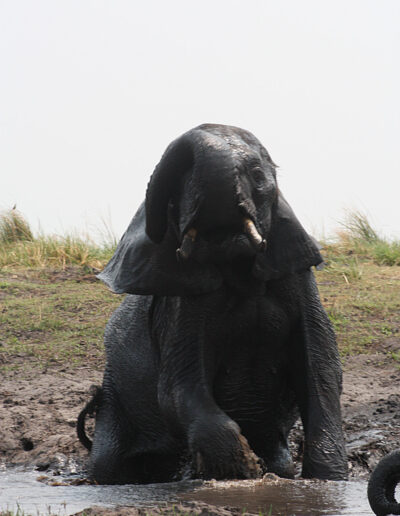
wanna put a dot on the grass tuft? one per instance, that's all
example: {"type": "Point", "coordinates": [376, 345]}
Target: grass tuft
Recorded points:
{"type": "Point", "coordinates": [359, 243]}
{"type": "Point", "coordinates": [386, 253]}
{"type": "Point", "coordinates": [359, 228]}
{"type": "Point", "coordinates": [14, 228]}
{"type": "Point", "coordinates": [20, 248]}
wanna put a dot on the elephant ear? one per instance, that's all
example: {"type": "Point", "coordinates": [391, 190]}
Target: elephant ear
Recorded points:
{"type": "Point", "coordinates": [140, 266]}
{"type": "Point", "coordinates": [289, 247]}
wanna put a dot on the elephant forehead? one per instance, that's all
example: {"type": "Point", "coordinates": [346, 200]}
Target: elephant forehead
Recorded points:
{"type": "Point", "coordinates": [241, 156]}
{"type": "Point", "coordinates": [213, 141]}
{"type": "Point", "coordinates": [244, 155]}
{"type": "Point", "coordinates": [220, 140]}
{"type": "Point", "coordinates": [241, 143]}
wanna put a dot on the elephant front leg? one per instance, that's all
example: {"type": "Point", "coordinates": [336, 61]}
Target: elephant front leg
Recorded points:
{"type": "Point", "coordinates": [316, 378]}
{"type": "Point", "coordinates": [187, 365]}
{"type": "Point", "coordinates": [218, 448]}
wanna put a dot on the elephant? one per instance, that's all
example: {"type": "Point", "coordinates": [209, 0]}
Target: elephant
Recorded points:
{"type": "Point", "coordinates": [222, 341]}
{"type": "Point", "coordinates": [382, 485]}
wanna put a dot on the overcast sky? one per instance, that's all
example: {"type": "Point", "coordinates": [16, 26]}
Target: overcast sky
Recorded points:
{"type": "Point", "coordinates": [91, 93]}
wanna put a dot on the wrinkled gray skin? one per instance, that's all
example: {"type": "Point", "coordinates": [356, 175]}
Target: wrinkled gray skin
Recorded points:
{"type": "Point", "coordinates": [222, 344]}
{"type": "Point", "coordinates": [382, 485]}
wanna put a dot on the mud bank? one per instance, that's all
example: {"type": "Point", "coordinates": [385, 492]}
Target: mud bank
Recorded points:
{"type": "Point", "coordinates": [38, 410]}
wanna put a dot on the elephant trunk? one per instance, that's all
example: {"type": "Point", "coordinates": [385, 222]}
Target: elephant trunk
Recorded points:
{"type": "Point", "coordinates": [211, 188]}
{"type": "Point", "coordinates": [382, 485]}
{"type": "Point", "coordinates": [175, 161]}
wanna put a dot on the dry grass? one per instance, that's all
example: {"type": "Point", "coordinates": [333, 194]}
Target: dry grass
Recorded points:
{"type": "Point", "coordinates": [360, 287]}
{"type": "Point", "coordinates": [19, 248]}
{"type": "Point", "coordinates": [14, 228]}
{"type": "Point", "coordinates": [53, 309]}
{"type": "Point", "coordinates": [359, 242]}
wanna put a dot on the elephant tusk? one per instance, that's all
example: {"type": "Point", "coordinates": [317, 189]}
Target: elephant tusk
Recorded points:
{"type": "Point", "coordinates": [185, 250]}
{"type": "Point", "coordinates": [255, 238]}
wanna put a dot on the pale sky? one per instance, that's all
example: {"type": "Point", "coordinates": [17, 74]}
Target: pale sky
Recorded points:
{"type": "Point", "coordinates": [92, 92]}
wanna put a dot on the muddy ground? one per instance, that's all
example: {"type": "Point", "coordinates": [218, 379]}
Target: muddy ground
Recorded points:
{"type": "Point", "coordinates": [38, 410]}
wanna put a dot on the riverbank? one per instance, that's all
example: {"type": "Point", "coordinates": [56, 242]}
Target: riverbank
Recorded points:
{"type": "Point", "coordinates": [51, 353]}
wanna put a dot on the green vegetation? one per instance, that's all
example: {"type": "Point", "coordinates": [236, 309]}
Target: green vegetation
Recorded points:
{"type": "Point", "coordinates": [21, 512]}
{"type": "Point", "coordinates": [18, 512]}
{"type": "Point", "coordinates": [364, 309]}
{"type": "Point", "coordinates": [53, 310]}
{"type": "Point", "coordinates": [53, 316]}
{"type": "Point", "coordinates": [19, 248]}
{"type": "Point", "coordinates": [360, 286]}
{"type": "Point", "coordinates": [359, 242]}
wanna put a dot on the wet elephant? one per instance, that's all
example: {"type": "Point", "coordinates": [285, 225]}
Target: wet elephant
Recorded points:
{"type": "Point", "coordinates": [222, 341]}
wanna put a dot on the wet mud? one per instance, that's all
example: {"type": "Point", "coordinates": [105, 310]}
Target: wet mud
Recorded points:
{"type": "Point", "coordinates": [38, 410]}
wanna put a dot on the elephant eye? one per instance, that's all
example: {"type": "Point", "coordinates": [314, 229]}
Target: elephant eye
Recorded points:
{"type": "Point", "coordinates": [258, 173]}
{"type": "Point", "coordinates": [258, 178]}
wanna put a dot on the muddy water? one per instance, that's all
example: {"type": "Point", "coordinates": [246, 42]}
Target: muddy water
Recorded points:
{"type": "Point", "coordinates": [271, 496]}
{"type": "Point", "coordinates": [287, 497]}
{"type": "Point", "coordinates": [22, 489]}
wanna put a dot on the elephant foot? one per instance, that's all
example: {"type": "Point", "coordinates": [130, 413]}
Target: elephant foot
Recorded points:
{"type": "Point", "coordinates": [280, 462]}
{"type": "Point", "coordinates": [224, 453]}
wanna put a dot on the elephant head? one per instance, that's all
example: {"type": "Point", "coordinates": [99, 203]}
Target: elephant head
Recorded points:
{"type": "Point", "coordinates": [382, 485]}
{"type": "Point", "coordinates": [212, 201]}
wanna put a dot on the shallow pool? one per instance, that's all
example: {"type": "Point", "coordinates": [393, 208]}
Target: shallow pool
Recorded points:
{"type": "Point", "coordinates": [20, 488]}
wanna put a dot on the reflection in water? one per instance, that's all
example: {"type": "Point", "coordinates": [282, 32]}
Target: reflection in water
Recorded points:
{"type": "Point", "coordinates": [21, 489]}
{"type": "Point", "coordinates": [298, 497]}
{"type": "Point", "coordinates": [287, 497]}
